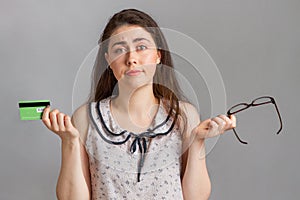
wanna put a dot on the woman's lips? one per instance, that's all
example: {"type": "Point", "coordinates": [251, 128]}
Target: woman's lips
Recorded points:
{"type": "Point", "coordinates": [134, 72]}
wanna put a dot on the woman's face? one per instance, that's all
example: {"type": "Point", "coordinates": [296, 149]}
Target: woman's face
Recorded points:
{"type": "Point", "coordinates": [132, 55]}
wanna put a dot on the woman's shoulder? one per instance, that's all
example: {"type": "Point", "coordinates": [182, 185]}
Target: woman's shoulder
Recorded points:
{"type": "Point", "coordinates": [80, 119]}
{"type": "Point", "coordinates": [191, 114]}
{"type": "Point", "coordinates": [189, 109]}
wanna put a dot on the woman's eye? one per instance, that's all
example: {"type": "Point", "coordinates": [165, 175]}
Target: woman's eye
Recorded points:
{"type": "Point", "coordinates": [141, 47]}
{"type": "Point", "coordinates": [119, 50]}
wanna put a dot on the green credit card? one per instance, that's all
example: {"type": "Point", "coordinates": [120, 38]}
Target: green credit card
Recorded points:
{"type": "Point", "coordinates": [32, 110]}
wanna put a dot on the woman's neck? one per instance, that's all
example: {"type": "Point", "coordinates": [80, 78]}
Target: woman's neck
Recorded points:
{"type": "Point", "coordinates": [137, 103]}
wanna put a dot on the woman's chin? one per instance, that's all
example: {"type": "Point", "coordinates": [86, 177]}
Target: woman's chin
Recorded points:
{"type": "Point", "coordinates": [136, 84]}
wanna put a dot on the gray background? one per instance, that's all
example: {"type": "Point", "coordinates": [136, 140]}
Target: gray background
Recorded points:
{"type": "Point", "coordinates": [255, 45]}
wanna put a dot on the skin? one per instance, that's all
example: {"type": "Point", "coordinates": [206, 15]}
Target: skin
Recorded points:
{"type": "Point", "coordinates": [137, 53]}
{"type": "Point", "coordinates": [132, 56]}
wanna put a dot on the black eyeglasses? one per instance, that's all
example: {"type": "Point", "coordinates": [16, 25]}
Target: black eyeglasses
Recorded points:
{"type": "Point", "coordinates": [256, 102]}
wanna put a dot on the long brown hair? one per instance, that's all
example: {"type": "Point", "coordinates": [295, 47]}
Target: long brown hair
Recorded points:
{"type": "Point", "coordinates": [165, 85]}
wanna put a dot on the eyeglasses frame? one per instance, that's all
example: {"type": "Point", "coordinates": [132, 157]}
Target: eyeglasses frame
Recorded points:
{"type": "Point", "coordinates": [253, 104]}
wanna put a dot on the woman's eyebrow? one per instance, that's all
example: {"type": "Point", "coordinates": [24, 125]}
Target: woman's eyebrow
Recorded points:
{"type": "Point", "coordinates": [140, 39]}
{"type": "Point", "coordinates": [119, 43]}
{"type": "Point", "coordinates": [134, 41]}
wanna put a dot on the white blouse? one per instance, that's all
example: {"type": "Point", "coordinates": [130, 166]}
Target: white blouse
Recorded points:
{"type": "Point", "coordinates": [133, 166]}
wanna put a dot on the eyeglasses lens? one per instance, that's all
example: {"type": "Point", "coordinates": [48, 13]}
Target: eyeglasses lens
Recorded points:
{"type": "Point", "coordinates": [262, 100]}
{"type": "Point", "coordinates": [238, 108]}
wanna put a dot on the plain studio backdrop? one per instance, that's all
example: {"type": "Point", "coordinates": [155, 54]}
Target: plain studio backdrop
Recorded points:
{"type": "Point", "coordinates": [255, 45]}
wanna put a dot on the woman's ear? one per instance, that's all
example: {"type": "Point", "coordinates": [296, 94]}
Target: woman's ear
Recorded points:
{"type": "Point", "coordinates": [158, 57]}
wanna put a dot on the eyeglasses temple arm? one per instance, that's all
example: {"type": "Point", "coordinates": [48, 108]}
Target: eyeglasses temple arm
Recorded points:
{"type": "Point", "coordinates": [277, 110]}
{"type": "Point", "coordinates": [239, 139]}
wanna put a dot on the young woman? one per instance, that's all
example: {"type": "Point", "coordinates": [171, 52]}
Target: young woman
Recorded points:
{"type": "Point", "coordinates": [136, 137]}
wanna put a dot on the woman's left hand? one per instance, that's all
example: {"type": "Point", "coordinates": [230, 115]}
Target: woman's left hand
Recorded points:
{"type": "Point", "coordinates": [214, 126]}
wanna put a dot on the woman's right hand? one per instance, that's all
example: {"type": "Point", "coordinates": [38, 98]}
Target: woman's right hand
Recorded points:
{"type": "Point", "coordinates": [60, 124]}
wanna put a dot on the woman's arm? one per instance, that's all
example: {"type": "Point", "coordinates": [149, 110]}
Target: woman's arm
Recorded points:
{"type": "Point", "coordinates": [196, 182]}
{"type": "Point", "coordinates": [195, 179]}
{"type": "Point", "coordinates": [74, 179]}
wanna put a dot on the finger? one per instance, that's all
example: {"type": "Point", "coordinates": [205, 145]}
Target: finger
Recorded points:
{"type": "Point", "coordinates": [60, 121]}
{"type": "Point", "coordinates": [53, 119]}
{"type": "Point", "coordinates": [214, 129]}
{"type": "Point", "coordinates": [45, 117]}
{"type": "Point", "coordinates": [233, 120]}
{"type": "Point", "coordinates": [228, 121]}
{"type": "Point", "coordinates": [68, 124]}
{"type": "Point", "coordinates": [220, 122]}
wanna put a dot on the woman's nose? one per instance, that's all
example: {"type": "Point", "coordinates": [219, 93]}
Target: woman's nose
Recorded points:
{"type": "Point", "coordinates": [131, 58]}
